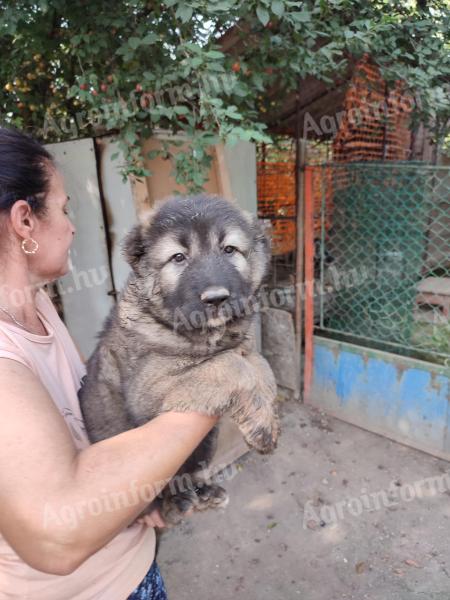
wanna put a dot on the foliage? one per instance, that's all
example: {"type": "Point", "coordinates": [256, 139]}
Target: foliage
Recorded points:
{"type": "Point", "coordinates": [77, 69]}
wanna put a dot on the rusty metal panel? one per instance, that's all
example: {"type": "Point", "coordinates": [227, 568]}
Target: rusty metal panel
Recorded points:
{"type": "Point", "coordinates": [120, 209]}
{"type": "Point", "coordinates": [240, 159]}
{"type": "Point", "coordinates": [84, 290]}
{"type": "Point", "coordinates": [402, 398]}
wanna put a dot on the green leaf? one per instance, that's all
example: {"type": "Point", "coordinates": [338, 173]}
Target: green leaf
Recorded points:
{"type": "Point", "coordinates": [184, 12]}
{"type": "Point", "coordinates": [198, 178]}
{"type": "Point", "coordinates": [303, 16]}
{"type": "Point", "coordinates": [150, 38]}
{"type": "Point", "coordinates": [130, 137]}
{"type": "Point", "coordinates": [181, 110]}
{"type": "Point", "coordinates": [134, 42]}
{"type": "Point", "coordinates": [154, 154]}
{"type": "Point", "coordinates": [214, 54]}
{"type": "Point", "coordinates": [263, 15]}
{"type": "Point", "coordinates": [277, 7]}
{"type": "Point", "coordinates": [195, 48]}
{"type": "Point", "coordinates": [231, 113]}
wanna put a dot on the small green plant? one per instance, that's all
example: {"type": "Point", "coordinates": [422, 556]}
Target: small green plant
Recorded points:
{"type": "Point", "coordinates": [440, 338]}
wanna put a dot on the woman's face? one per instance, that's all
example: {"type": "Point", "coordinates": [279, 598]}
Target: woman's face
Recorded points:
{"type": "Point", "coordinates": [54, 233]}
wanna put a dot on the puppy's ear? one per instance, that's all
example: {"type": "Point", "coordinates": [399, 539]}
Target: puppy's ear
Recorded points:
{"type": "Point", "coordinates": [261, 251]}
{"type": "Point", "coordinates": [133, 246]}
{"type": "Point", "coordinates": [262, 236]}
{"type": "Point", "coordinates": [260, 230]}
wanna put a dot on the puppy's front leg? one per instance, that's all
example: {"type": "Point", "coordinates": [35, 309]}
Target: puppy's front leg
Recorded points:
{"type": "Point", "coordinates": [210, 386]}
{"type": "Point", "coordinates": [243, 384]}
{"type": "Point", "coordinates": [256, 414]}
{"type": "Point", "coordinates": [227, 381]}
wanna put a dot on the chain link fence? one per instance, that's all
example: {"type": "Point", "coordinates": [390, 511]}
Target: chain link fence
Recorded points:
{"type": "Point", "coordinates": [384, 251]}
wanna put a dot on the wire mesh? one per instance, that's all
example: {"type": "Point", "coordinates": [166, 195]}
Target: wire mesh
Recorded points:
{"type": "Point", "coordinates": [385, 255]}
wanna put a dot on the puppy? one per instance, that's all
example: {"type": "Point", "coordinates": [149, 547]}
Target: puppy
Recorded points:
{"type": "Point", "coordinates": [180, 336]}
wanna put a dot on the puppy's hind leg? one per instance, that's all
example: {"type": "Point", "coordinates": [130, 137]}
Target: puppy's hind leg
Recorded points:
{"type": "Point", "coordinates": [209, 493]}
{"type": "Point", "coordinates": [190, 488]}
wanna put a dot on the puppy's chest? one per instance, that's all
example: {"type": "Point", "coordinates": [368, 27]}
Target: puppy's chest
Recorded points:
{"type": "Point", "coordinates": [138, 356]}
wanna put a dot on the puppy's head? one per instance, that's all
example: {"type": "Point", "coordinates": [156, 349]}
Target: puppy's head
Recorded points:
{"type": "Point", "coordinates": [199, 262]}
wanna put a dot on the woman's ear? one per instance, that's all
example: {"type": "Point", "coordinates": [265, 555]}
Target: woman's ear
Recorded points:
{"type": "Point", "coordinates": [22, 219]}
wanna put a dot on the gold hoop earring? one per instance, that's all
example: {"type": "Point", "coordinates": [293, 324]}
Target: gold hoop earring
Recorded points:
{"type": "Point", "coordinates": [33, 250]}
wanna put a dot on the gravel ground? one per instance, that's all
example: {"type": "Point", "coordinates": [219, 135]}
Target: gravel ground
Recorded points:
{"type": "Point", "coordinates": [335, 513]}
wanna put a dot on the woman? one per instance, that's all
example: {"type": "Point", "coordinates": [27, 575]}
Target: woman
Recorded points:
{"type": "Point", "coordinates": [68, 509]}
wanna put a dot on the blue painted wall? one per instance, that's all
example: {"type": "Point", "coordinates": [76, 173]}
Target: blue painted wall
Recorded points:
{"type": "Point", "coordinates": [402, 398]}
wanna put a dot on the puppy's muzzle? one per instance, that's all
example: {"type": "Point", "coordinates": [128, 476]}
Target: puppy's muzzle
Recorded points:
{"type": "Point", "coordinates": [214, 295]}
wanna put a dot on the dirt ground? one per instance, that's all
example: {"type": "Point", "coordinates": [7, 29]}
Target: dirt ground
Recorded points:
{"type": "Point", "coordinates": [280, 537]}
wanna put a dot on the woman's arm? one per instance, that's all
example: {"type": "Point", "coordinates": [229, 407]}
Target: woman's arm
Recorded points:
{"type": "Point", "coordinates": [59, 506]}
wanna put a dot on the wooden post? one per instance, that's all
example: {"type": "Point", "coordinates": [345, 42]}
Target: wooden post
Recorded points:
{"type": "Point", "coordinates": [299, 258]}
{"type": "Point", "coordinates": [140, 195]}
{"type": "Point", "coordinates": [223, 175]}
{"type": "Point", "coordinates": [309, 282]}
{"type": "Point", "coordinates": [300, 162]}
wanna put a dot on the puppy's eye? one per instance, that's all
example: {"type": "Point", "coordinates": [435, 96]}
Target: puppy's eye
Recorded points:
{"type": "Point", "coordinates": [229, 249]}
{"type": "Point", "coordinates": [178, 258]}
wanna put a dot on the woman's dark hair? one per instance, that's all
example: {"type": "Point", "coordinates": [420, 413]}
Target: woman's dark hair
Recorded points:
{"type": "Point", "coordinates": [24, 171]}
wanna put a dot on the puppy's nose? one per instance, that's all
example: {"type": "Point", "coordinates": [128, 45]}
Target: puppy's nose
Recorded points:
{"type": "Point", "coordinates": [214, 295]}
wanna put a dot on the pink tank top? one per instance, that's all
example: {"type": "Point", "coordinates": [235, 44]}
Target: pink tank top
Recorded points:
{"type": "Point", "coordinates": [115, 570]}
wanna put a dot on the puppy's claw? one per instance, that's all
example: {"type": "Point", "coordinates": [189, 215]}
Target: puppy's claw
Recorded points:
{"type": "Point", "coordinates": [211, 496]}
{"type": "Point", "coordinates": [264, 439]}
{"type": "Point", "coordinates": [178, 506]}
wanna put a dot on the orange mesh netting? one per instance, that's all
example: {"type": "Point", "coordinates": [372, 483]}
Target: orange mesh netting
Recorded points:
{"type": "Point", "coordinates": [375, 124]}
{"type": "Point", "coordinates": [276, 198]}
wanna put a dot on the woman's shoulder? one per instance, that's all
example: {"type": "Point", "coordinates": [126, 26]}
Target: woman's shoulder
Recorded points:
{"type": "Point", "coordinates": [47, 308]}
{"type": "Point", "coordinates": [44, 301]}
{"type": "Point", "coordinates": [10, 349]}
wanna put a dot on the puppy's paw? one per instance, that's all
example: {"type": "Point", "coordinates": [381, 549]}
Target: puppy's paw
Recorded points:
{"type": "Point", "coordinates": [264, 438]}
{"type": "Point", "coordinates": [176, 507]}
{"type": "Point", "coordinates": [211, 496]}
